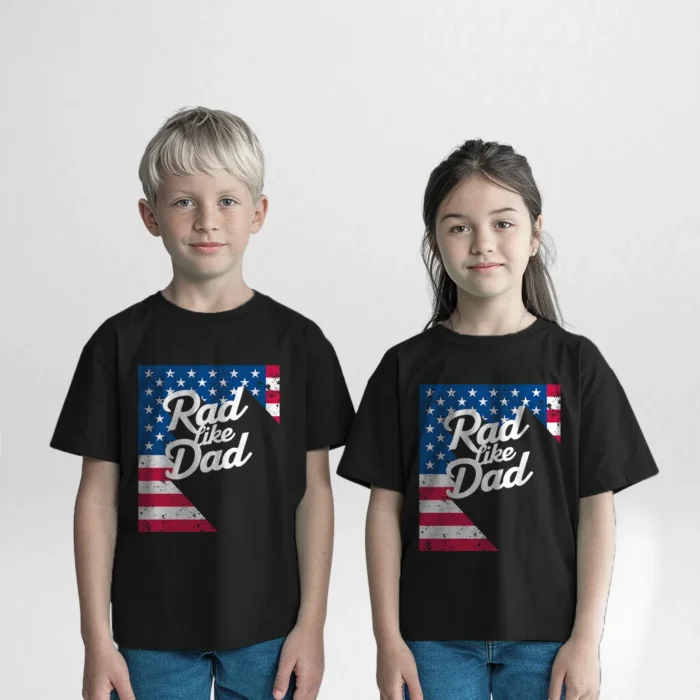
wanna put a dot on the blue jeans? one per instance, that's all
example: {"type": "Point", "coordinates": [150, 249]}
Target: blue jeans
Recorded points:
{"type": "Point", "coordinates": [238, 674]}
{"type": "Point", "coordinates": [473, 670]}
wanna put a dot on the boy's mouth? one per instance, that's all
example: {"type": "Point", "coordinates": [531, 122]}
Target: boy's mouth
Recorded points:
{"type": "Point", "coordinates": [207, 247]}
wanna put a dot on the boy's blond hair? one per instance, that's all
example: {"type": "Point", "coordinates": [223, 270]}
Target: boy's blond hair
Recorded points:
{"type": "Point", "coordinates": [203, 141]}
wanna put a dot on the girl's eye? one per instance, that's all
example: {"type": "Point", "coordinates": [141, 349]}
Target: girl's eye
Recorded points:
{"type": "Point", "coordinates": [454, 228]}
{"type": "Point", "coordinates": [505, 222]}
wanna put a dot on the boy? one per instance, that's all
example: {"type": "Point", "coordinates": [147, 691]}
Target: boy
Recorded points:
{"type": "Point", "coordinates": [204, 415]}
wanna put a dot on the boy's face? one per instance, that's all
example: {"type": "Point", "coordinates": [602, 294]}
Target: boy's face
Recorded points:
{"type": "Point", "coordinates": [205, 222]}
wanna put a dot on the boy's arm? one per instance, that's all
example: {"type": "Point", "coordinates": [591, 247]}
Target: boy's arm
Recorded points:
{"type": "Point", "coordinates": [95, 532]}
{"type": "Point", "coordinates": [303, 649]}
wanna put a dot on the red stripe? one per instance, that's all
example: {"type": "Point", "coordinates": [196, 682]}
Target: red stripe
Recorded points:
{"type": "Point", "coordinates": [456, 546]}
{"type": "Point", "coordinates": [277, 418]}
{"type": "Point", "coordinates": [175, 526]}
{"type": "Point", "coordinates": [553, 389]}
{"type": "Point", "coordinates": [557, 437]}
{"type": "Point", "coordinates": [433, 493]}
{"type": "Point", "coordinates": [272, 396]}
{"type": "Point", "coordinates": [553, 415]}
{"type": "Point", "coordinates": [443, 519]}
{"type": "Point", "coordinates": [164, 499]}
{"type": "Point", "coordinates": [272, 371]}
{"type": "Point", "coordinates": [153, 473]}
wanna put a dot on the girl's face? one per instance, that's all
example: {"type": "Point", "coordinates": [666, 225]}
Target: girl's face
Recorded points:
{"type": "Point", "coordinates": [205, 222]}
{"type": "Point", "coordinates": [480, 222]}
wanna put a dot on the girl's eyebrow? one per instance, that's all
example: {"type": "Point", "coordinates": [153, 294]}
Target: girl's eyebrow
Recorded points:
{"type": "Point", "coordinates": [464, 216]}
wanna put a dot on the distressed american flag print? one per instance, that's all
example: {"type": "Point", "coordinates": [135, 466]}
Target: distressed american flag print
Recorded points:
{"type": "Point", "coordinates": [443, 525]}
{"type": "Point", "coordinates": [162, 507]}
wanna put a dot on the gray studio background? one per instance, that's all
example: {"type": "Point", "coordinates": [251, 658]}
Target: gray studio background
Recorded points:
{"type": "Point", "coordinates": [354, 104]}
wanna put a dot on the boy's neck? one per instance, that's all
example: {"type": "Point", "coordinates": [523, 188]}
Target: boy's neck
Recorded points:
{"type": "Point", "coordinates": [209, 296]}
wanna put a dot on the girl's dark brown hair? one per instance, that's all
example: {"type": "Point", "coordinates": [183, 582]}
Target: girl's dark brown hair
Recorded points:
{"type": "Point", "coordinates": [503, 166]}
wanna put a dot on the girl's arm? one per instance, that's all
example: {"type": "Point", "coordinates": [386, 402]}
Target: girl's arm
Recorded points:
{"type": "Point", "coordinates": [594, 561]}
{"type": "Point", "coordinates": [95, 533]}
{"type": "Point", "coordinates": [303, 649]}
{"type": "Point", "coordinates": [577, 664]}
{"type": "Point", "coordinates": [395, 662]}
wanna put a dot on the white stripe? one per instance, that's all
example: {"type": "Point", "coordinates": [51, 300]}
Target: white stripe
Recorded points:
{"type": "Point", "coordinates": [554, 428]}
{"type": "Point", "coordinates": [451, 532]}
{"type": "Point", "coordinates": [159, 461]}
{"type": "Point", "coordinates": [273, 409]}
{"type": "Point", "coordinates": [448, 506]}
{"type": "Point", "coordinates": [169, 513]}
{"type": "Point", "coordinates": [435, 480]}
{"type": "Point", "coordinates": [158, 487]}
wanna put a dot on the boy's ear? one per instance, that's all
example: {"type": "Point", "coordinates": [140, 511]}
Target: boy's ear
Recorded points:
{"type": "Point", "coordinates": [259, 214]}
{"type": "Point", "coordinates": [148, 217]}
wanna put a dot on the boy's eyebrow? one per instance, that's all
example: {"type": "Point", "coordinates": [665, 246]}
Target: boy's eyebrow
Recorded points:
{"type": "Point", "coordinates": [463, 216]}
{"type": "Point", "coordinates": [228, 190]}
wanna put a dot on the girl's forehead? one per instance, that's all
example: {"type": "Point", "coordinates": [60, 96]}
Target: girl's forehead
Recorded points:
{"type": "Point", "coordinates": [479, 196]}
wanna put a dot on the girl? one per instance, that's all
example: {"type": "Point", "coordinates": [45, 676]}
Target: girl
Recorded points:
{"type": "Point", "coordinates": [493, 442]}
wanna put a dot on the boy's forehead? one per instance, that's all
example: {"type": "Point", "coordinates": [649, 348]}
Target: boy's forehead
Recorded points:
{"type": "Point", "coordinates": [202, 182]}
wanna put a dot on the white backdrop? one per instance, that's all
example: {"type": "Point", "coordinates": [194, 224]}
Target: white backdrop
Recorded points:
{"type": "Point", "coordinates": [354, 105]}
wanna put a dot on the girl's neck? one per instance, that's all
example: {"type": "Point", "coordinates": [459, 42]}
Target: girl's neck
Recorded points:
{"type": "Point", "coordinates": [485, 319]}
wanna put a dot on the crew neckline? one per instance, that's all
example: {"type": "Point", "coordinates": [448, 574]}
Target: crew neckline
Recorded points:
{"type": "Point", "coordinates": [187, 315]}
{"type": "Point", "coordinates": [491, 340]}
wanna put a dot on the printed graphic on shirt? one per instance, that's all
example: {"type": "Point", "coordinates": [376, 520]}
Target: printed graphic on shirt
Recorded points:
{"type": "Point", "coordinates": [470, 440]}
{"type": "Point", "coordinates": [187, 423]}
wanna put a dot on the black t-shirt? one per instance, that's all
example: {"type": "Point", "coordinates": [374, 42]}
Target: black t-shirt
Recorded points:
{"type": "Point", "coordinates": [492, 440]}
{"type": "Point", "coordinates": [210, 416]}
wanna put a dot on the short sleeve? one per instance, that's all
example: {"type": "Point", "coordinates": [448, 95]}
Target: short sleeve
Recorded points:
{"type": "Point", "coordinates": [88, 424]}
{"type": "Point", "coordinates": [329, 408]}
{"type": "Point", "coordinates": [613, 452]}
{"type": "Point", "coordinates": [372, 456]}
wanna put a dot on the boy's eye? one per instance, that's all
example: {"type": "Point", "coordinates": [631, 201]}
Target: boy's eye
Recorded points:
{"type": "Point", "coordinates": [228, 199]}
{"type": "Point", "coordinates": [182, 200]}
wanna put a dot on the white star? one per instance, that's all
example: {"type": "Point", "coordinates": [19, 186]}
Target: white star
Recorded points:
{"type": "Point", "coordinates": [429, 392]}
{"type": "Point", "coordinates": [149, 427]}
{"type": "Point", "coordinates": [535, 392]}
{"type": "Point", "coordinates": [149, 409]}
{"type": "Point", "coordinates": [472, 392]}
{"type": "Point", "coordinates": [190, 374]}
{"type": "Point", "coordinates": [429, 464]}
{"type": "Point", "coordinates": [482, 402]}
{"type": "Point", "coordinates": [493, 410]}
{"type": "Point", "coordinates": [149, 392]}
{"type": "Point", "coordinates": [493, 392]}
{"type": "Point", "coordinates": [504, 402]}
{"type": "Point", "coordinates": [159, 382]}
{"type": "Point", "coordinates": [222, 382]}
{"type": "Point", "coordinates": [513, 410]}
{"type": "Point", "coordinates": [170, 373]}
{"type": "Point", "coordinates": [430, 447]}
{"type": "Point", "coordinates": [255, 392]}
{"type": "Point", "coordinates": [255, 373]}
{"type": "Point", "coordinates": [429, 429]}
{"type": "Point", "coordinates": [170, 391]}
{"type": "Point", "coordinates": [159, 402]}
{"type": "Point", "coordinates": [441, 456]}
{"type": "Point", "coordinates": [526, 401]}
{"type": "Point", "coordinates": [234, 373]}
{"type": "Point", "coordinates": [212, 373]}
{"type": "Point", "coordinates": [440, 437]}
{"type": "Point", "coordinates": [202, 382]}
{"type": "Point", "coordinates": [451, 392]}
{"type": "Point", "coordinates": [149, 373]}
{"type": "Point", "coordinates": [149, 445]}
{"type": "Point", "coordinates": [212, 392]}
{"type": "Point", "coordinates": [461, 402]}
{"type": "Point", "coordinates": [232, 391]}
{"type": "Point", "coordinates": [159, 436]}
{"type": "Point", "coordinates": [430, 411]}
{"type": "Point", "coordinates": [440, 402]}
{"type": "Point", "coordinates": [503, 419]}
{"type": "Point", "coordinates": [535, 410]}
{"type": "Point", "coordinates": [160, 419]}
{"type": "Point", "coordinates": [514, 392]}
{"type": "Point", "coordinates": [181, 382]}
